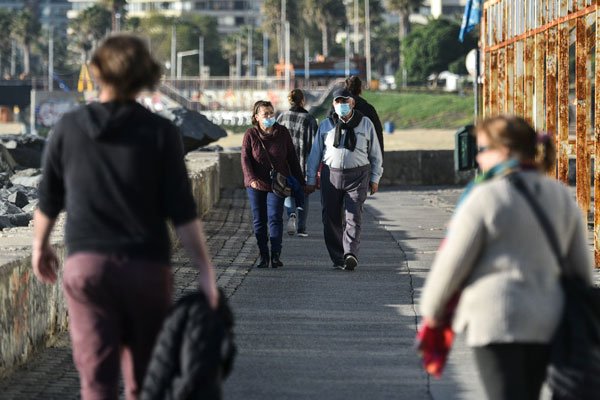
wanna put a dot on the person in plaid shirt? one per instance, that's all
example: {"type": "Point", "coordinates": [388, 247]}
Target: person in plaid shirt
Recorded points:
{"type": "Point", "coordinates": [302, 127]}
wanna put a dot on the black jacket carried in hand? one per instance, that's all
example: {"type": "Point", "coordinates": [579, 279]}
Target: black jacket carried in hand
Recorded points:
{"type": "Point", "coordinates": [193, 353]}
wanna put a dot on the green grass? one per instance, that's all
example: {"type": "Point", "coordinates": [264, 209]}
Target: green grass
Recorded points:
{"type": "Point", "coordinates": [422, 110]}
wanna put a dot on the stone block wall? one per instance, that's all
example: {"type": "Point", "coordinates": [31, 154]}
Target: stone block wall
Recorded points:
{"type": "Point", "coordinates": [32, 314]}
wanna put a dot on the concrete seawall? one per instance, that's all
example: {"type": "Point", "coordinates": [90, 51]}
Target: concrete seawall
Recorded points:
{"type": "Point", "coordinates": [405, 167]}
{"type": "Point", "coordinates": [32, 314]}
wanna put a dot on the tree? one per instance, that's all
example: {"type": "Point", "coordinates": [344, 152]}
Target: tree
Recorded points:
{"type": "Point", "coordinates": [5, 39]}
{"type": "Point", "coordinates": [328, 16]}
{"type": "Point", "coordinates": [116, 8]}
{"type": "Point", "coordinates": [384, 47]}
{"type": "Point", "coordinates": [88, 28]}
{"type": "Point", "coordinates": [25, 29]}
{"type": "Point", "coordinates": [157, 29]}
{"type": "Point", "coordinates": [403, 8]}
{"type": "Point", "coordinates": [432, 48]}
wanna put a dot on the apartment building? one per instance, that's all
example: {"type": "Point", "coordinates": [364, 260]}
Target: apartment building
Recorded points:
{"type": "Point", "coordinates": [230, 14]}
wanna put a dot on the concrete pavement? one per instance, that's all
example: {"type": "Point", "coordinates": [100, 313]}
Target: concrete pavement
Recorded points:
{"type": "Point", "coordinates": [306, 330]}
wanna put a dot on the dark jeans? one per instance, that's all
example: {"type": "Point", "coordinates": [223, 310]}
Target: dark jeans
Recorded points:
{"type": "Point", "coordinates": [267, 208]}
{"type": "Point", "coordinates": [116, 309]}
{"type": "Point", "coordinates": [512, 371]}
{"type": "Point", "coordinates": [290, 207]}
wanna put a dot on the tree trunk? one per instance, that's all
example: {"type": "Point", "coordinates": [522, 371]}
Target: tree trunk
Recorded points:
{"type": "Point", "coordinates": [26, 58]}
{"type": "Point", "coordinates": [403, 31]}
{"type": "Point", "coordinates": [325, 38]}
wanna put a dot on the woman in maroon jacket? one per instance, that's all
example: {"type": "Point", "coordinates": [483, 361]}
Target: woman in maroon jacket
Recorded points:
{"type": "Point", "coordinates": [267, 136]}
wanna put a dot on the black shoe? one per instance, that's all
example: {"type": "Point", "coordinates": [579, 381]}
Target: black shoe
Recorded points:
{"type": "Point", "coordinates": [350, 262]}
{"type": "Point", "coordinates": [263, 262]}
{"type": "Point", "coordinates": [275, 261]}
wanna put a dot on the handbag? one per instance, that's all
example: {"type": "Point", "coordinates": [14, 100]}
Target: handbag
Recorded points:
{"type": "Point", "coordinates": [574, 370]}
{"type": "Point", "coordinates": [279, 185]}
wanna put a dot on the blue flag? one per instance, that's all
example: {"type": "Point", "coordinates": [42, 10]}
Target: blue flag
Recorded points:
{"type": "Point", "coordinates": [471, 17]}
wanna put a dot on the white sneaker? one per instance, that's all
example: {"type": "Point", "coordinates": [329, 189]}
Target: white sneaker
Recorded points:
{"type": "Point", "coordinates": [292, 224]}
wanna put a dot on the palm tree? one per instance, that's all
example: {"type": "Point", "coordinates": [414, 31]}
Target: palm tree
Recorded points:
{"type": "Point", "coordinates": [5, 39]}
{"type": "Point", "coordinates": [115, 7]}
{"type": "Point", "coordinates": [328, 15]}
{"type": "Point", "coordinates": [404, 8]}
{"type": "Point", "coordinates": [89, 27]}
{"type": "Point", "coordinates": [25, 29]}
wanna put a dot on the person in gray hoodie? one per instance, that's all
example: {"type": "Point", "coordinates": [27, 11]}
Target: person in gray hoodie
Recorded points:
{"type": "Point", "coordinates": [347, 145]}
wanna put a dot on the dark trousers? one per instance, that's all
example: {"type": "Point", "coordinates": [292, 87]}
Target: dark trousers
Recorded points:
{"type": "Point", "coordinates": [512, 371]}
{"type": "Point", "coordinates": [343, 193]}
{"type": "Point", "coordinates": [302, 214]}
{"type": "Point", "coordinates": [116, 309]}
{"type": "Point", "coordinates": [267, 209]}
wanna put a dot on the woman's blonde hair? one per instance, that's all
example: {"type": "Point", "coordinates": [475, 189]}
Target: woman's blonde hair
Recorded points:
{"type": "Point", "coordinates": [124, 62]}
{"type": "Point", "coordinates": [521, 139]}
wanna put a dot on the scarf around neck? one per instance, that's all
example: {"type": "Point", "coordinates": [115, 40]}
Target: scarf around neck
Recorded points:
{"type": "Point", "coordinates": [348, 127]}
{"type": "Point", "coordinates": [504, 168]}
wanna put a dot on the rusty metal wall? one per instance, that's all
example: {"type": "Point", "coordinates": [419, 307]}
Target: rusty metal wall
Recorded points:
{"type": "Point", "coordinates": [538, 62]}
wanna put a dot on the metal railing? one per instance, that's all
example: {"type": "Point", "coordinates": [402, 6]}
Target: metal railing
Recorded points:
{"type": "Point", "coordinates": [539, 62]}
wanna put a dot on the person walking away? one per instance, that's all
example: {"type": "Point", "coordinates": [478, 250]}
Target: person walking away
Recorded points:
{"type": "Point", "coordinates": [354, 86]}
{"type": "Point", "coordinates": [347, 145]}
{"type": "Point", "coordinates": [497, 257]}
{"type": "Point", "coordinates": [117, 281]}
{"type": "Point", "coordinates": [302, 127]}
{"type": "Point", "coordinates": [268, 145]}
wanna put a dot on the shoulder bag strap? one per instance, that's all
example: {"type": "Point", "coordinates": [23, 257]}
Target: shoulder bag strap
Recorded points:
{"type": "Point", "coordinates": [540, 215]}
{"type": "Point", "coordinates": [266, 152]}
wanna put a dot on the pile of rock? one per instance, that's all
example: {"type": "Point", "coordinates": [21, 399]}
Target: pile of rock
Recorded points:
{"type": "Point", "coordinates": [20, 176]}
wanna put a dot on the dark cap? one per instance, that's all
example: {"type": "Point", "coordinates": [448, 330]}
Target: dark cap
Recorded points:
{"type": "Point", "coordinates": [341, 92]}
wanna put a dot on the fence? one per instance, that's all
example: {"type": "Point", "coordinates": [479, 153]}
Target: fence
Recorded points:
{"type": "Point", "coordinates": [539, 61]}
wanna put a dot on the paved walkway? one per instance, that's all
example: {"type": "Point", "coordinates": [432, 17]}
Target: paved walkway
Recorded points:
{"type": "Point", "coordinates": [306, 330]}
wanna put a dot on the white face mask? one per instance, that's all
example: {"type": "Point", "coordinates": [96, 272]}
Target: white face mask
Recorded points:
{"type": "Point", "coordinates": [342, 109]}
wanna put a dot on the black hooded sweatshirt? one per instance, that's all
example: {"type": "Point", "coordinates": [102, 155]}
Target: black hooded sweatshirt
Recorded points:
{"type": "Point", "coordinates": [119, 171]}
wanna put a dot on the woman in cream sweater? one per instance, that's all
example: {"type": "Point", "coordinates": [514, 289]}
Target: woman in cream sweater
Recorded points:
{"type": "Point", "coordinates": [497, 257]}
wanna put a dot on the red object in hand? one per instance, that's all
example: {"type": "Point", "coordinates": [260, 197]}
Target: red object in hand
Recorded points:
{"type": "Point", "coordinates": [434, 345]}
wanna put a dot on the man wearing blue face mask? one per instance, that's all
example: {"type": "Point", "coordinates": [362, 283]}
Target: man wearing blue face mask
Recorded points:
{"type": "Point", "coordinates": [347, 145]}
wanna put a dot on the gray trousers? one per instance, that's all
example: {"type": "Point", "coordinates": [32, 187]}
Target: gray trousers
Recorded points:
{"type": "Point", "coordinates": [343, 193]}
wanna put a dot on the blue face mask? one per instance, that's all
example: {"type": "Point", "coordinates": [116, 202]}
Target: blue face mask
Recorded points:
{"type": "Point", "coordinates": [268, 122]}
{"type": "Point", "coordinates": [342, 109]}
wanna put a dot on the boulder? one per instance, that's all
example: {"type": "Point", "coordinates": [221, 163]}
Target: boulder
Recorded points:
{"type": "Point", "coordinates": [7, 162]}
{"type": "Point", "coordinates": [30, 177]}
{"type": "Point", "coordinates": [18, 198]}
{"type": "Point", "coordinates": [8, 209]}
{"type": "Point", "coordinates": [26, 150]}
{"type": "Point", "coordinates": [30, 181]}
{"type": "Point", "coordinates": [195, 128]}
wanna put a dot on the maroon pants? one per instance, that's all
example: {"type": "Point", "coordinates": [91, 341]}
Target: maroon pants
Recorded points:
{"type": "Point", "coordinates": [116, 309]}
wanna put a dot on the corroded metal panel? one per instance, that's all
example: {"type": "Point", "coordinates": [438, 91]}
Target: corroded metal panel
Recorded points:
{"type": "Point", "coordinates": [540, 76]}
{"type": "Point", "coordinates": [518, 81]}
{"type": "Point", "coordinates": [581, 117]}
{"type": "Point", "coordinates": [563, 102]}
{"type": "Point", "coordinates": [492, 86]}
{"type": "Point", "coordinates": [509, 74]}
{"type": "Point", "coordinates": [538, 64]}
{"type": "Point", "coordinates": [529, 81]}
{"type": "Point", "coordinates": [597, 149]}
{"type": "Point", "coordinates": [552, 82]}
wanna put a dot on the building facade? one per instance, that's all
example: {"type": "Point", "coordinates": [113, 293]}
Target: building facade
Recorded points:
{"type": "Point", "coordinates": [230, 14]}
{"type": "Point", "coordinates": [51, 13]}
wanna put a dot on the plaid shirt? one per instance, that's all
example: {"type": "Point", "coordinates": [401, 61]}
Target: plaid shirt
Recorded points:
{"type": "Point", "coordinates": [302, 127]}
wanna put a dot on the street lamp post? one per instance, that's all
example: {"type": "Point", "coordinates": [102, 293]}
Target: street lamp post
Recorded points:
{"type": "Point", "coordinates": [180, 55]}
{"type": "Point", "coordinates": [368, 42]}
